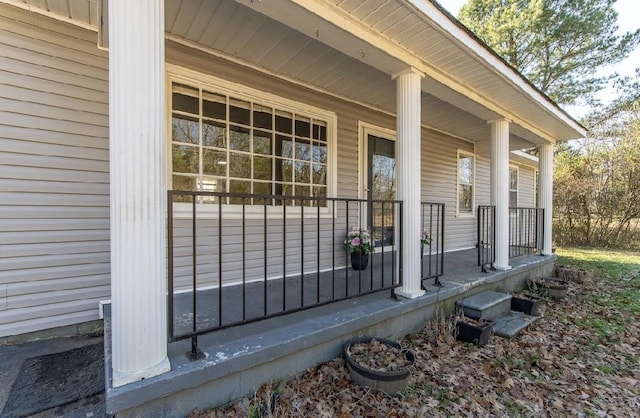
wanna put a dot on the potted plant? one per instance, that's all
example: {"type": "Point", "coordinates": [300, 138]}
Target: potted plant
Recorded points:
{"type": "Point", "coordinates": [473, 331]}
{"type": "Point", "coordinates": [573, 274]}
{"type": "Point", "coordinates": [549, 287]}
{"type": "Point", "coordinates": [359, 244]}
{"type": "Point", "coordinates": [425, 239]}
{"type": "Point", "coordinates": [379, 363]}
{"type": "Point", "coordinates": [526, 302]}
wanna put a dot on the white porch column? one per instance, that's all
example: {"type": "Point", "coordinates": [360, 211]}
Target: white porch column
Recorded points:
{"type": "Point", "coordinates": [545, 195]}
{"type": "Point", "coordinates": [500, 189]}
{"type": "Point", "coordinates": [138, 192]}
{"type": "Point", "coordinates": [409, 173]}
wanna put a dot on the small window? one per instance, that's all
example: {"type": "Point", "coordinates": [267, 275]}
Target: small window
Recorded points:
{"type": "Point", "coordinates": [466, 175]}
{"type": "Point", "coordinates": [513, 187]}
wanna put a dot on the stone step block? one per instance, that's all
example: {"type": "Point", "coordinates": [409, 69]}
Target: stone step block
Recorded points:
{"type": "Point", "coordinates": [486, 305]}
{"type": "Point", "coordinates": [512, 323]}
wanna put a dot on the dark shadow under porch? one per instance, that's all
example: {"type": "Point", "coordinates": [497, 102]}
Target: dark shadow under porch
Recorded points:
{"type": "Point", "coordinates": [240, 358]}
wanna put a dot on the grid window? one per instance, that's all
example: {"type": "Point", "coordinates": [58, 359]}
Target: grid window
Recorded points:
{"type": "Point", "coordinates": [227, 144]}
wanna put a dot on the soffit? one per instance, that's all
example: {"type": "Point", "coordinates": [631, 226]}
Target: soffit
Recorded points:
{"type": "Point", "coordinates": [301, 46]}
{"type": "Point", "coordinates": [84, 12]}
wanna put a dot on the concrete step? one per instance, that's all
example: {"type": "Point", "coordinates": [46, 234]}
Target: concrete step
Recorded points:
{"type": "Point", "coordinates": [510, 324]}
{"type": "Point", "coordinates": [486, 305]}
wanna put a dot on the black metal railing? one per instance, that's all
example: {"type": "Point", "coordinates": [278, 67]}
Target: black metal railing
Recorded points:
{"type": "Point", "coordinates": [486, 237]}
{"type": "Point", "coordinates": [525, 231]}
{"type": "Point", "coordinates": [240, 258]}
{"type": "Point", "coordinates": [433, 253]}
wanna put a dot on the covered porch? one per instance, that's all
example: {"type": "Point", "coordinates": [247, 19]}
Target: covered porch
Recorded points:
{"type": "Point", "coordinates": [239, 359]}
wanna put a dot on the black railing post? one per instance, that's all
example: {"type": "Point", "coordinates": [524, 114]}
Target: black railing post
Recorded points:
{"type": "Point", "coordinates": [479, 216]}
{"type": "Point", "coordinates": [400, 246]}
{"type": "Point", "coordinates": [195, 353]}
{"type": "Point", "coordinates": [170, 264]}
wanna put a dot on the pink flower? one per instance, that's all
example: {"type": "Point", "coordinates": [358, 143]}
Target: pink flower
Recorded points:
{"type": "Point", "coordinates": [355, 242]}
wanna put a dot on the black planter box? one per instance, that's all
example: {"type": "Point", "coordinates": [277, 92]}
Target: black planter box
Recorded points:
{"type": "Point", "coordinates": [478, 334]}
{"type": "Point", "coordinates": [528, 305]}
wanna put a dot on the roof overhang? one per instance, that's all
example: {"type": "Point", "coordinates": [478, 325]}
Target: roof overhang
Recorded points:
{"type": "Point", "coordinates": [359, 46]}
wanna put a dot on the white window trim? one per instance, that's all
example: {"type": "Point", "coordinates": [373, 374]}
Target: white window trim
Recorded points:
{"type": "Point", "coordinates": [180, 74]}
{"type": "Point", "coordinates": [517, 190]}
{"type": "Point", "coordinates": [471, 214]}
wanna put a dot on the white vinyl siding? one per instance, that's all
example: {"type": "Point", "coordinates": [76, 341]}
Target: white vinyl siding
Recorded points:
{"type": "Point", "coordinates": [439, 185]}
{"type": "Point", "coordinates": [54, 174]}
{"type": "Point", "coordinates": [527, 187]}
{"type": "Point", "coordinates": [343, 155]}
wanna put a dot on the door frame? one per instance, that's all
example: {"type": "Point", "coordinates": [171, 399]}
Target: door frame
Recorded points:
{"type": "Point", "coordinates": [364, 130]}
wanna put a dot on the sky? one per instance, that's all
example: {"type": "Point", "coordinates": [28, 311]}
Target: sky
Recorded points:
{"type": "Point", "coordinates": [627, 22]}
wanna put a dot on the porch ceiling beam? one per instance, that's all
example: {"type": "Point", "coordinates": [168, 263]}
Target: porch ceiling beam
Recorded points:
{"type": "Point", "coordinates": [341, 31]}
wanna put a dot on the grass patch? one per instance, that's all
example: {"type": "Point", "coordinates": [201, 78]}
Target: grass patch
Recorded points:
{"type": "Point", "coordinates": [616, 272]}
{"type": "Point", "coordinates": [606, 264]}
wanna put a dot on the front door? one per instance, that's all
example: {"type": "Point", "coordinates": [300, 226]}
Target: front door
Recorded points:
{"type": "Point", "coordinates": [381, 185]}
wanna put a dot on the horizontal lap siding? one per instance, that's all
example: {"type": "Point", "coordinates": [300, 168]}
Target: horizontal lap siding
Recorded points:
{"type": "Point", "coordinates": [439, 185]}
{"type": "Point", "coordinates": [258, 262]}
{"type": "Point", "coordinates": [527, 188]}
{"type": "Point", "coordinates": [54, 174]}
{"type": "Point", "coordinates": [331, 249]}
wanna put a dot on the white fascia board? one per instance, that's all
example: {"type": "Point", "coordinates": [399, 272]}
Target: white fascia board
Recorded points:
{"type": "Point", "coordinates": [462, 37]}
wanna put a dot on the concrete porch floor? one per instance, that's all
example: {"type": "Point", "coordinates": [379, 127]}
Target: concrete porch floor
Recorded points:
{"type": "Point", "coordinates": [240, 359]}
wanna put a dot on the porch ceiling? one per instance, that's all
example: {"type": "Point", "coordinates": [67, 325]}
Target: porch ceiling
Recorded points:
{"type": "Point", "coordinates": [351, 49]}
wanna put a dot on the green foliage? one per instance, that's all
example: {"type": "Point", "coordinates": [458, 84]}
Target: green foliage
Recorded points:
{"type": "Point", "coordinates": [557, 44]}
{"type": "Point", "coordinates": [597, 185]}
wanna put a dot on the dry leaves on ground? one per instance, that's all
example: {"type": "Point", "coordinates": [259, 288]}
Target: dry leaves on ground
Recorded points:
{"type": "Point", "coordinates": [376, 355]}
{"type": "Point", "coordinates": [580, 359]}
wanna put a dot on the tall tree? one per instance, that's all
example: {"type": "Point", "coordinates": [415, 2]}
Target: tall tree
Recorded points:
{"type": "Point", "coordinates": [557, 44]}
